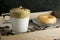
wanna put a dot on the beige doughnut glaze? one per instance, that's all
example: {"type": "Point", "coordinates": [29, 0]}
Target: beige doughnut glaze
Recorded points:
{"type": "Point", "coordinates": [47, 19]}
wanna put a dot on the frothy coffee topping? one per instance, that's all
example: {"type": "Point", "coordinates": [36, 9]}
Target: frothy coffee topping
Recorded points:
{"type": "Point", "coordinates": [19, 12]}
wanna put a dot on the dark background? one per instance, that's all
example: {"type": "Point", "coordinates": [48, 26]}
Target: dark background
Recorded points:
{"type": "Point", "coordinates": [33, 5]}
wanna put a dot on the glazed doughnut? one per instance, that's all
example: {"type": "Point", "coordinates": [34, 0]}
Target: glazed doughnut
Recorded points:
{"type": "Point", "coordinates": [47, 19]}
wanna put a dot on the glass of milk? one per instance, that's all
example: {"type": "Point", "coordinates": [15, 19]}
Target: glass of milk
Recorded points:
{"type": "Point", "coordinates": [19, 19]}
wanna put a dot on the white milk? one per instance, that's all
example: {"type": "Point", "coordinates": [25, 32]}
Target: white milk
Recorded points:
{"type": "Point", "coordinates": [20, 25]}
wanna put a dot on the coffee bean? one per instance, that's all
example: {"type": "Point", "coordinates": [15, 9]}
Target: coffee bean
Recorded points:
{"type": "Point", "coordinates": [55, 39]}
{"type": "Point", "coordinates": [2, 34]}
{"type": "Point", "coordinates": [6, 27]}
{"type": "Point", "coordinates": [2, 30]}
{"type": "Point", "coordinates": [11, 32]}
{"type": "Point", "coordinates": [4, 15]}
{"type": "Point", "coordinates": [57, 26]}
{"type": "Point", "coordinates": [7, 34]}
{"type": "Point", "coordinates": [1, 27]}
{"type": "Point", "coordinates": [30, 21]}
{"type": "Point", "coordinates": [46, 27]}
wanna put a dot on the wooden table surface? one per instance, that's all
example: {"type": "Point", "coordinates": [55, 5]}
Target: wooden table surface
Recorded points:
{"type": "Point", "coordinates": [49, 34]}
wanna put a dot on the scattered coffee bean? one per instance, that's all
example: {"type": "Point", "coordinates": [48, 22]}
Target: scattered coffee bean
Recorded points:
{"type": "Point", "coordinates": [7, 34]}
{"type": "Point", "coordinates": [4, 15]}
{"type": "Point", "coordinates": [1, 27]}
{"type": "Point", "coordinates": [3, 30]}
{"type": "Point", "coordinates": [30, 21]}
{"type": "Point", "coordinates": [55, 39]}
{"type": "Point", "coordinates": [57, 26]}
{"type": "Point", "coordinates": [6, 27]}
{"type": "Point", "coordinates": [2, 34]}
{"type": "Point", "coordinates": [11, 33]}
{"type": "Point", "coordinates": [46, 26]}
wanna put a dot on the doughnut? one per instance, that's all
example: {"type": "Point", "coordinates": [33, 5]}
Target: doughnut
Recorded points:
{"type": "Point", "coordinates": [47, 19]}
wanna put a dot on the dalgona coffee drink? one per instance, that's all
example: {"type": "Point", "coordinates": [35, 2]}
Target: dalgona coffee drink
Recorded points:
{"type": "Point", "coordinates": [20, 19]}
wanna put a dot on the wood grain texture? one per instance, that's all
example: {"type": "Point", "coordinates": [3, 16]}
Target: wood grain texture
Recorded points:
{"type": "Point", "coordinates": [49, 34]}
